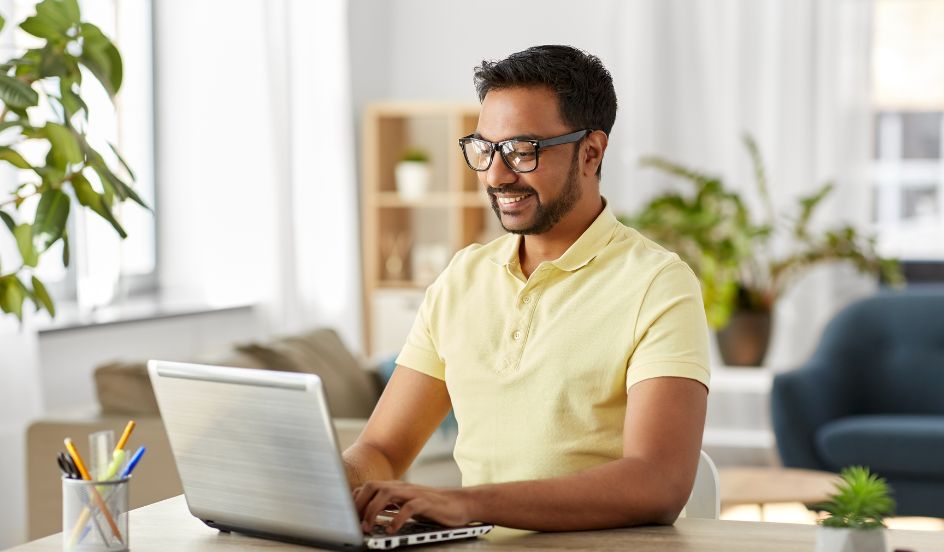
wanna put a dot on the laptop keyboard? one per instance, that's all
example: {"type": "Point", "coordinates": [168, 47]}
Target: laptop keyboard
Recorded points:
{"type": "Point", "coordinates": [410, 528]}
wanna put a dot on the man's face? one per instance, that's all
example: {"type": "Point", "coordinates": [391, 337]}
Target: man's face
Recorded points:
{"type": "Point", "coordinates": [529, 203]}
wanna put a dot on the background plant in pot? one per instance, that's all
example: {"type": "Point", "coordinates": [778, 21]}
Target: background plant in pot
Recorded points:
{"type": "Point", "coordinates": [714, 231]}
{"type": "Point", "coordinates": [43, 135]}
{"type": "Point", "coordinates": [855, 513]}
{"type": "Point", "coordinates": [413, 174]}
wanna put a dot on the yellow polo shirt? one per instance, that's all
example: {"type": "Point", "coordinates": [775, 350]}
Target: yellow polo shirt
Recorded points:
{"type": "Point", "coordinates": [538, 368]}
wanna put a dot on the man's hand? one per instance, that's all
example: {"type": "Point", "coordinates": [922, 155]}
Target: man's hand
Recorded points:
{"type": "Point", "coordinates": [449, 507]}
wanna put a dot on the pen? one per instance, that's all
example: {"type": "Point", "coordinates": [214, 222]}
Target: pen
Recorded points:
{"type": "Point", "coordinates": [70, 446]}
{"type": "Point", "coordinates": [135, 458]}
{"type": "Point", "coordinates": [124, 436]}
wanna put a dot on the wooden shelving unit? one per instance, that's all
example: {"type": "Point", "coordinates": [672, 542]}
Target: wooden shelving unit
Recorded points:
{"type": "Point", "coordinates": [404, 242]}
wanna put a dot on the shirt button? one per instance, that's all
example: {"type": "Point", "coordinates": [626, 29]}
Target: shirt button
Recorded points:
{"type": "Point", "coordinates": [517, 335]}
{"type": "Point", "coordinates": [526, 300]}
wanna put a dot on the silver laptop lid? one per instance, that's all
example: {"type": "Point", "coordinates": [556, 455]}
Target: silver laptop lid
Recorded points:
{"type": "Point", "coordinates": [256, 450]}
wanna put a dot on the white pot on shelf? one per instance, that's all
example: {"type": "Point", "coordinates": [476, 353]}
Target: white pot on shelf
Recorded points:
{"type": "Point", "coordinates": [836, 539]}
{"type": "Point", "coordinates": [412, 179]}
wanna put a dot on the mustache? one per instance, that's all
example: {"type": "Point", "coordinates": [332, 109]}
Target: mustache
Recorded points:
{"type": "Point", "coordinates": [511, 190]}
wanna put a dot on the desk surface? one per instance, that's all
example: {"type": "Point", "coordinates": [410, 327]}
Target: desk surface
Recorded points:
{"type": "Point", "coordinates": [168, 525]}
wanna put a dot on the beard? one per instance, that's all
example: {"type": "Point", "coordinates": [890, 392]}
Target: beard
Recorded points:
{"type": "Point", "coordinates": [545, 216]}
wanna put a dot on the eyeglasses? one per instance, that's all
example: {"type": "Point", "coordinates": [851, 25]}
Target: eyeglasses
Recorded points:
{"type": "Point", "coordinates": [521, 156]}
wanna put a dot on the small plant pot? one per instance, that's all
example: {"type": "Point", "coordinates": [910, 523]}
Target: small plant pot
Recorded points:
{"type": "Point", "coordinates": [412, 179]}
{"type": "Point", "coordinates": [835, 539]}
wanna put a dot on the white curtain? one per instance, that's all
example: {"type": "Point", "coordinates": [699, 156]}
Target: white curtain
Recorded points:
{"type": "Point", "coordinates": [796, 76]}
{"type": "Point", "coordinates": [258, 194]}
{"type": "Point", "coordinates": [318, 221]}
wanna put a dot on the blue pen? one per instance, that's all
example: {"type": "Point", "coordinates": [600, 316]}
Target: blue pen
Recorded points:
{"type": "Point", "coordinates": [132, 463]}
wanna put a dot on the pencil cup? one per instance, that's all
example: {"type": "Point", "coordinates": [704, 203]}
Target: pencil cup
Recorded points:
{"type": "Point", "coordinates": [95, 515]}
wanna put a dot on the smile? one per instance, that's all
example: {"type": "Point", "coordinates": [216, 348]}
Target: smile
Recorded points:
{"type": "Point", "coordinates": [506, 200]}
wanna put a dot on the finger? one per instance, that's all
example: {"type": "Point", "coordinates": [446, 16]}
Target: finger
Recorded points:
{"type": "Point", "coordinates": [407, 510]}
{"type": "Point", "coordinates": [364, 493]}
{"type": "Point", "coordinates": [384, 496]}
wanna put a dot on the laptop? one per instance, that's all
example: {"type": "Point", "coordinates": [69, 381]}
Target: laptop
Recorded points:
{"type": "Point", "coordinates": [257, 454]}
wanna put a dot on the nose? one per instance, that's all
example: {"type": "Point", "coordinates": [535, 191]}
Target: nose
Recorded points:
{"type": "Point", "coordinates": [498, 174]}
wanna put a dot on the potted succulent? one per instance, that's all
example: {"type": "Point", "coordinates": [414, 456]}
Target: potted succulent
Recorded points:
{"type": "Point", "coordinates": [43, 136]}
{"type": "Point", "coordinates": [413, 174]}
{"type": "Point", "coordinates": [856, 513]}
{"type": "Point", "coordinates": [731, 251]}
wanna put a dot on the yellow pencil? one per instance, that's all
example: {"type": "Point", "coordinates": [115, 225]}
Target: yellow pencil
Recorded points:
{"type": "Point", "coordinates": [124, 436]}
{"type": "Point", "coordinates": [70, 446]}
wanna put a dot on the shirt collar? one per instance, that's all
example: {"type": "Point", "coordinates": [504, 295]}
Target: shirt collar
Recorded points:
{"type": "Point", "coordinates": [581, 252]}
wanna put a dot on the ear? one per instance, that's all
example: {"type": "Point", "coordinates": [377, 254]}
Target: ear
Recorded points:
{"type": "Point", "coordinates": [592, 148]}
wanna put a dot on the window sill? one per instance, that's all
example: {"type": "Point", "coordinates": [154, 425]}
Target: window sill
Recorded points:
{"type": "Point", "coordinates": [143, 308]}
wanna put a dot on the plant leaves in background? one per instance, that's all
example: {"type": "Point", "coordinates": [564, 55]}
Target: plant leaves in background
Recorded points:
{"type": "Point", "coordinates": [101, 57]}
{"type": "Point", "coordinates": [13, 157]}
{"type": "Point", "coordinates": [24, 242]}
{"type": "Point", "coordinates": [65, 249]}
{"type": "Point", "coordinates": [16, 93]}
{"type": "Point", "coordinates": [88, 197]}
{"type": "Point", "coordinates": [43, 296]}
{"type": "Point", "coordinates": [51, 216]}
{"type": "Point", "coordinates": [8, 220]}
{"type": "Point", "coordinates": [64, 148]}
{"type": "Point", "coordinates": [11, 296]}
{"type": "Point", "coordinates": [62, 14]}
{"type": "Point", "coordinates": [122, 161]}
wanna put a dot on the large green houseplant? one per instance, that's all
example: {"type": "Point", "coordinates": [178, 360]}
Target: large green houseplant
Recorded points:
{"type": "Point", "coordinates": [732, 251]}
{"type": "Point", "coordinates": [43, 111]}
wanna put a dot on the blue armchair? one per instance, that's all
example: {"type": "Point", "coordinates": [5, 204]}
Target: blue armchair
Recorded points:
{"type": "Point", "coordinates": [873, 394]}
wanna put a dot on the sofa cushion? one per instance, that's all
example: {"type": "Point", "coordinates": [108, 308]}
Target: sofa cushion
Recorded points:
{"type": "Point", "coordinates": [350, 390]}
{"type": "Point", "coordinates": [890, 445]}
{"type": "Point", "coordinates": [125, 388]}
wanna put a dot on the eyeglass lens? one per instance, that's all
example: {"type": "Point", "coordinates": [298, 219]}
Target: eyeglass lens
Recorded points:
{"type": "Point", "coordinates": [521, 156]}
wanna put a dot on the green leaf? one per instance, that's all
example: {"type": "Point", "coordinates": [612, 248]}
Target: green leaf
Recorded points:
{"type": "Point", "coordinates": [11, 296]}
{"type": "Point", "coordinates": [66, 255]}
{"type": "Point", "coordinates": [71, 102]}
{"type": "Point", "coordinates": [51, 216]}
{"type": "Point", "coordinates": [2, 22]}
{"type": "Point", "coordinates": [24, 241]}
{"type": "Point", "coordinates": [64, 146]}
{"type": "Point", "coordinates": [13, 157]}
{"type": "Point", "coordinates": [16, 93]}
{"type": "Point", "coordinates": [8, 220]}
{"type": "Point", "coordinates": [40, 290]}
{"type": "Point", "coordinates": [88, 197]}
{"type": "Point", "coordinates": [122, 161]}
{"type": "Point", "coordinates": [61, 13]}
{"type": "Point", "coordinates": [101, 57]}
{"type": "Point", "coordinates": [43, 27]}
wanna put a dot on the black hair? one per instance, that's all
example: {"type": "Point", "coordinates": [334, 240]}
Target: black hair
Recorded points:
{"type": "Point", "coordinates": [583, 86]}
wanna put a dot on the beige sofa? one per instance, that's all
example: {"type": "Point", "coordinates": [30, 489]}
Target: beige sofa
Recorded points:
{"type": "Point", "coordinates": [124, 392]}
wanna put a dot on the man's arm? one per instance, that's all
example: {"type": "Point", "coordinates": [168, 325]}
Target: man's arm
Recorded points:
{"type": "Point", "coordinates": [408, 412]}
{"type": "Point", "coordinates": [662, 435]}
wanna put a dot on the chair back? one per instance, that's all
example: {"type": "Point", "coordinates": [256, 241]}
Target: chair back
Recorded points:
{"type": "Point", "coordinates": [705, 502]}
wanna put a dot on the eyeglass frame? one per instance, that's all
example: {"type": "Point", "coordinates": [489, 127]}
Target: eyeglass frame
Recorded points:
{"type": "Point", "coordinates": [568, 138]}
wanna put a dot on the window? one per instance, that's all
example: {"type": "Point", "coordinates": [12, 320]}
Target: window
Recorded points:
{"type": "Point", "coordinates": [908, 152]}
{"type": "Point", "coordinates": [105, 268]}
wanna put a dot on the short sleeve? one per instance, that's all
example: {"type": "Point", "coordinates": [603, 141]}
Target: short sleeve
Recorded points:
{"type": "Point", "coordinates": [671, 333]}
{"type": "Point", "coordinates": [420, 352]}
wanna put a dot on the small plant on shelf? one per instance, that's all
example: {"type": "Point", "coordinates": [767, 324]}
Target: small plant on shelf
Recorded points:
{"type": "Point", "coordinates": [415, 155]}
{"type": "Point", "coordinates": [413, 174]}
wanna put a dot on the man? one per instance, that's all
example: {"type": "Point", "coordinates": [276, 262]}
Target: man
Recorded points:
{"type": "Point", "coordinates": [572, 350]}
